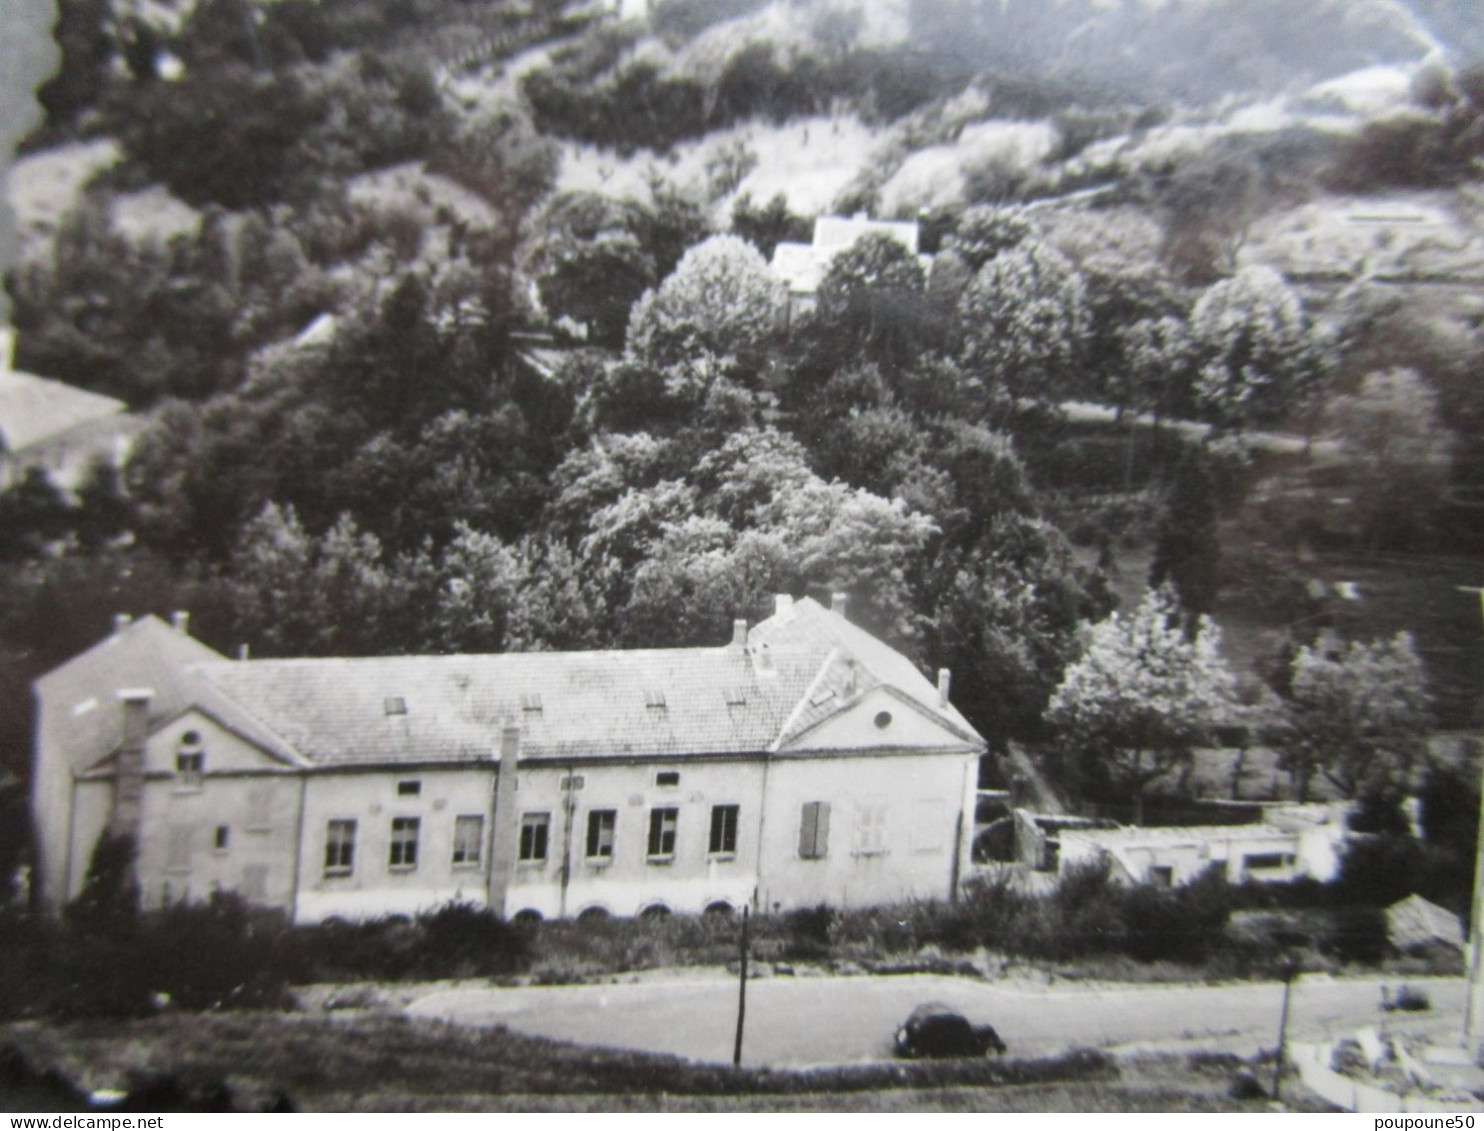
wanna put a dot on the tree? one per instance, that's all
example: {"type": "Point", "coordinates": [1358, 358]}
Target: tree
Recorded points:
{"type": "Point", "coordinates": [984, 232]}
{"type": "Point", "coordinates": [33, 514]}
{"type": "Point", "coordinates": [1187, 549]}
{"type": "Point", "coordinates": [1398, 453]}
{"type": "Point", "coordinates": [872, 301]}
{"type": "Point", "coordinates": [1358, 715]}
{"type": "Point", "coordinates": [1006, 621]}
{"type": "Point", "coordinates": [1138, 347]}
{"type": "Point", "coordinates": [297, 594]}
{"type": "Point", "coordinates": [589, 265]}
{"type": "Point", "coordinates": [768, 225]}
{"type": "Point", "coordinates": [1025, 325]}
{"type": "Point", "coordinates": [477, 576]}
{"type": "Point", "coordinates": [1144, 692]}
{"type": "Point", "coordinates": [1258, 357]}
{"type": "Point", "coordinates": [721, 300]}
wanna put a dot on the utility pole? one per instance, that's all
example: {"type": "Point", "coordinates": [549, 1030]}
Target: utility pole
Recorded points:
{"type": "Point", "coordinates": [1288, 971]}
{"type": "Point", "coordinates": [741, 993]}
{"type": "Point", "coordinates": [1473, 1016]}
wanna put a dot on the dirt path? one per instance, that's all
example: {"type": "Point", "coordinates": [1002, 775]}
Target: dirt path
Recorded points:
{"type": "Point", "coordinates": [798, 1022]}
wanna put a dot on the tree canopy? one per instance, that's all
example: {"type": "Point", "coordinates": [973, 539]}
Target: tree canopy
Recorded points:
{"type": "Point", "coordinates": [1144, 692]}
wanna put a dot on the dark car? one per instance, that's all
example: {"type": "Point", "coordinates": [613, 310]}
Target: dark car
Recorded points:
{"type": "Point", "coordinates": [935, 1030]}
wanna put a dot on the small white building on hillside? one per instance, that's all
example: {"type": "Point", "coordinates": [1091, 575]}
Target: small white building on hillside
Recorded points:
{"type": "Point", "coordinates": [53, 426]}
{"type": "Point", "coordinates": [1291, 842]}
{"type": "Point", "coordinates": [801, 267]}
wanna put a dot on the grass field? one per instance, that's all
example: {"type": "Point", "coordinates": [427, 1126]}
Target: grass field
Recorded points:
{"type": "Point", "coordinates": [371, 1062]}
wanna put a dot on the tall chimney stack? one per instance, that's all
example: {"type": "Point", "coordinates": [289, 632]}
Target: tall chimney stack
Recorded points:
{"type": "Point", "coordinates": [783, 605]}
{"type": "Point", "coordinates": [121, 621]}
{"type": "Point", "coordinates": [505, 837]}
{"type": "Point", "coordinates": [945, 680]}
{"type": "Point", "coordinates": [128, 780]}
{"type": "Point", "coordinates": [181, 619]}
{"type": "Point", "coordinates": [838, 603]}
{"type": "Point", "coordinates": [739, 634]}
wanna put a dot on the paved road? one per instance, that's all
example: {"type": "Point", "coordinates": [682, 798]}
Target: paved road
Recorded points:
{"type": "Point", "coordinates": [798, 1022]}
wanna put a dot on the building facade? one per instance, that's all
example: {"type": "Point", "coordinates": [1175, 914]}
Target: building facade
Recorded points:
{"type": "Point", "coordinates": [805, 762]}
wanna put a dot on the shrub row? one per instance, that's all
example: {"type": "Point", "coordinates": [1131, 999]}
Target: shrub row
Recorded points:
{"type": "Point", "coordinates": [223, 954]}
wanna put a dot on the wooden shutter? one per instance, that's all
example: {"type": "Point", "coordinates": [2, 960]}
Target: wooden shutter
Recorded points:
{"type": "Point", "coordinates": [814, 830]}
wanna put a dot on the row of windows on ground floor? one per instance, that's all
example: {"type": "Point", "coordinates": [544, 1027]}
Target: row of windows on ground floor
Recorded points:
{"type": "Point", "coordinates": [600, 837]}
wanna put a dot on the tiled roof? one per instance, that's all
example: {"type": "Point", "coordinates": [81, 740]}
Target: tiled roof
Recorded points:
{"type": "Point", "coordinates": [857, 663]}
{"type": "Point", "coordinates": [34, 409]}
{"type": "Point", "coordinates": [83, 717]}
{"type": "Point", "coordinates": [421, 709]}
{"type": "Point", "coordinates": [566, 704]}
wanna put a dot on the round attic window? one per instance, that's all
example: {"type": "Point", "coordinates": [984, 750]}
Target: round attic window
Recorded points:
{"type": "Point", "coordinates": [882, 719]}
{"type": "Point", "coordinates": [191, 738]}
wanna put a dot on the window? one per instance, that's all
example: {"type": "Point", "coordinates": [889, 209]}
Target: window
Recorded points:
{"type": "Point", "coordinates": [468, 839]}
{"type": "Point", "coordinates": [404, 842]}
{"type": "Point", "coordinates": [222, 840]}
{"type": "Point", "coordinates": [534, 829]}
{"type": "Point", "coordinates": [662, 825]}
{"type": "Point", "coordinates": [723, 830]}
{"type": "Point", "coordinates": [667, 777]}
{"type": "Point", "coordinates": [190, 763]}
{"type": "Point", "coordinates": [1263, 861]}
{"type": "Point", "coordinates": [573, 781]}
{"type": "Point", "coordinates": [600, 826]}
{"type": "Point", "coordinates": [870, 828]}
{"type": "Point", "coordinates": [394, 705]}
{"type": "Point", "coordinates": [814, 830]}
{"type": "Point", "coordinates": [409, 788]}
{"type": "Point", "coordinates": [1161, 875]}
{"type": "Point", "coordinates": [340, 848]}
{"type": "Point", "coordinates": [655, 699]}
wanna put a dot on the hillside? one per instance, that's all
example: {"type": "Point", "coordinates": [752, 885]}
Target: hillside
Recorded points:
{"type": "Point", "coordinates": [455, 330]}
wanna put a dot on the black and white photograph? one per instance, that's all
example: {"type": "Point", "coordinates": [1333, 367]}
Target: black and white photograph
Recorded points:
{"type": "Point", "coordinates": [768, 556]}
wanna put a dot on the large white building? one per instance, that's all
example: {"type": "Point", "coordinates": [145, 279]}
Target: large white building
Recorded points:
{"type": "Point", "coordinates": [804, 762]}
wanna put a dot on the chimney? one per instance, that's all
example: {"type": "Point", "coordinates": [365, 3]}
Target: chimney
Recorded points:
{"type": "Point", "coordinates": [505, 837]}
{"type": "Point", "coordinates": [128, 780]}
{"type": "Point", "coordinates": [121, 621]}
{"type": "Point", "coordinates": [838, 601]}
{"type": "Point", "coordinates": [182, 621]}
{"type": "Point", "coordinates": [764, 660]}
{"type": "Point", "coordinates": [945, 680]}
{"type": "Point", "coordinates": [244, 652]}
{"type": "Point", "coordinates": [783, 606]}
{"type": "Point", "coordinates": [739, 634]}
{"type": "Point", "coordinates": [7, 349]}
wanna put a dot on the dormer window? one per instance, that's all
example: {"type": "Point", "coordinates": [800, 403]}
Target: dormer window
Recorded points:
{"type": "Point", "coordinates": [409, 788]}
{"type": "Point", "coordinates": [190, 761]}
{"type": "Point", "coordinates": [394, 705]}
{"type": "Point", "coordinates": [531, 702]}
{"type": "Point", "coordinates": [667, 777]}
{"type": "Point", "coordinates": [654, 700]}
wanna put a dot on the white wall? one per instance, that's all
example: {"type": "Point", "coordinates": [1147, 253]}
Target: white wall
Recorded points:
{"type": "Point", "coordinates": [630, 882]}
{"type": "Point", "coordinates": [897, 793]}
{"type": "Point", "coordinates": [370, 798]}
